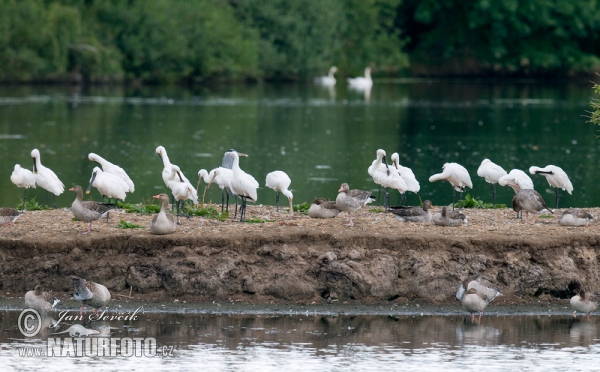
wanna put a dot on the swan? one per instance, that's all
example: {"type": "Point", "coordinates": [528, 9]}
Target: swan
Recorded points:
{"type": "Point", "coordinates": [556, 177]}
{"type": "Point", "coordinates": [327, 80]}
{"type": "Point", "coordinates": [491, 173]}
{"type": "Point", "coordinates": [45, 177]}
{"type": "Point", "coordinates": [22, 178]}
{"type": "Point", "coordinates": [457, 175]}
{"type": "Point", "coordinates": [280, 181]}
{"type": "Point", "coordinates": [361, 83]}
{"type": "Point", "coordinates": [113, 169]}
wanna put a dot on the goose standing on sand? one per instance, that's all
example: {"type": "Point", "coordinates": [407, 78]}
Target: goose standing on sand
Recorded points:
{"type": "Point", "coordinates": [449, 218]}
{"type": "Point", "coordinates": [361, 82]}
{"type": "Point", "coordinates": [86, 211]}
{"type": "Point", "coordinates": [475, 296]}
{"type": "Point", "coordinates": [41, 301]}
{"type": "Point", "coordinates": [280, 181]}
{"type": "Point", "coordinates": [457, 175]}
{"type": "Point", "coordinates": [575, 217]}
{"type": "Point", "coordinates": [556, 177]}
{"type": "Point", "coordinates": [327, 80]}
{"type": "Point", "coordinates": [45, 177]}
{"type": "Point", "coordinates": [414, 214]}
{"type": "Point", "coordinates": [584, 303]}
{"type": "Point", "coordinates": [222, 177]}
{"type": "Point", "coordinates": [529, 201]}
{"type": "Point", "coordinates": [111, 168]}
{"type": "Point", "coordinates": [163, 223]}
{"type": "Point", "coordinates": [407, 175]}
{"type": "Point", "coordinates": [351, 200]}
{"type": "Point", "coordinates": [182, 190]}
{"type": "Point", "coordinates": [22, 178]}
{"type": "Point", "coordinates": [242, 184]}
{"type": "Point", "coordinates": [108, 185]}
{"type": "Point", "coordinates": [89, 293]}
{"type": "Point", "coordinates": [491, 173]}
{"type": "Point", "coordinates": [321, 208]}
{"type": "Point", "coordinates": [8, 216]}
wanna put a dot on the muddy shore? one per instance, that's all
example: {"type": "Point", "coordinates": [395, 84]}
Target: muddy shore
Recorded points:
{"type": "Point", "coordinates": [299, 261]}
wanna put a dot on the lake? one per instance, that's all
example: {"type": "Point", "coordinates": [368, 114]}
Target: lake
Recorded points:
{"type": "Point", "coordinates": [320, 137]}
{"type": "Point", "coordinates": [329, 341]}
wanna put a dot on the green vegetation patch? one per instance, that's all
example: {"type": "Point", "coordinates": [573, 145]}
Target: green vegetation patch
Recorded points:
{"type": "Point", "coordinates": [32, 205]}
{"type": "Point", "coordinates": [207, 212]}
{"type": "Point", "coordinates": [128, 225]}
{"type": "Point", "coordinates": [142, 208]}
{"type": "Point", "coordinates": [302, 208]}
{"type": "Point", "coordinates": [257, 220]}
{"type": "Point", "coordinates": [470, 202]}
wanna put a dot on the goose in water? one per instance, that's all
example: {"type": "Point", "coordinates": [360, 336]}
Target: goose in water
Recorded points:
{"type": "Point", "coordinates": [457, 175]}
{"type": "Point", "coordinates": [361, 83]}
{"type": "Point", "coordinates": [86, 211]}
{"type": "Point", "coordinates": [407, 175]}
{"type": "Point", "coordinates": [413, 214]}
{"type": "Point", "coordinates": [8, 216]}
{"type": "Point", "coordinates": [280, 181]}
{"type": "Point", "coordinates": [556, 177]}
{"type": "Point", "coordinates": [45, 177]}
{"type": "Point", "coordinates": [111, 168]}
{"type": "Point", "coordinates": [163, 223]}
{"type": "Point", "coordinates": [321, 208]}
{"type": "Point", "coordinates": [89, 293]}
{"type": "Point", "coordinates": [529, 201]}
{"type": "Point", "coordinates": [491, 173]}
{"type": "Point", "coordinates": [243, 184]}
{"type": "Point", "coordinates": [327, 80]}
{"type": "Point", "coordinates": [575, 217]}
{"type": "Point", "coordinates": [449, 218]}
{"type": "Point", "coordinates": [584, 302]}
{"type": "Point", "coordinates": [22, 178]}
{"type": "Point", "coordinates": [41, 301]}
{"type": "Point", "coordinates": [222, 177]}
{"type": "Point", "coordinates": [108, 185]}
{"type": "Point", "coordinates": [351, 200]}
{"type": "Point", "coordinates": [475, 296]}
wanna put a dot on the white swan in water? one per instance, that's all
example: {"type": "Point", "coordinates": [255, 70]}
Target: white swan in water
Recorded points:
{"type": "Point", "coordinates": [361, 83]}
{"type": "Point", "coordinates": [327, 80]}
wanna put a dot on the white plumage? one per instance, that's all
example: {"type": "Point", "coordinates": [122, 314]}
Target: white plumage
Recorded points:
{"type": "Point", "coordinates": [107, 184]}
{"type": "Point", "coordinates": [222, 177]}
{"type": "Point", "coordinates": [243, 184]}
{"type": "Point", "coordinates": [45, 177]}
{"type": "Point", "coordinates": [168, 174]}
{"type": "Point", "coordinates": [556, 177]}
{"type": "Point", "coordinates": [407, 175]}
{"type": "Point", "coordinates": [111, 168]}
{"type": "Point", "coordinates": [457, 175]}
{"type": "Point", "coordinates": [280, 181]}
{"type": "Point", "coordinates": [181, 188]}
{"type": "Point", "coordinates": [491, 172]}
{"type": "Point", "coordinates": [361, 83]}
{"type": "Point", "coordinates": [329, 79]}
{"type": "Point", "coordinates": [22, 177]}
{"type": "Point", "coordinates": [517, 180]}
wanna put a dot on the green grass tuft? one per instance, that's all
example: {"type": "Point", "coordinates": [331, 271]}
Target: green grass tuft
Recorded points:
{"type": "Point", "coordinates": [207, 212]}
{"type": "Point", "coordinates": [302, 208]}
{"type": "Point", "coordinates": [377, 210]}
{"type": "Point", "coordinates": [32, 205]}
{"type": "Point", "coordinates": [142, 208]}
{"type": "Point", "coordinates": [257, 220]}
{"type": "Point", "coordinates": [470, 202]}
{"type": "Point", "coordinates": [128, 225]}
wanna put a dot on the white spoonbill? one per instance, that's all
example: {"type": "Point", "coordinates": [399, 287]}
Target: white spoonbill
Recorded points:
{"type": "Point", "coordinates": [167, 174]}
{"type": "Point", "coordinates": [113, 169]}
{"type": "Point", "coordinates": [327, 80]}
{"type": "Point", "coordinates": [222, 177]}
{"type": "Point", "coordinates": [227, 163]}
{"type": "Point", "coordinates": [361, 82]}
{"type": "Point", "coordinates": [378, 164]}
{"type": "Point", "coordinates": [556, 177]}
{"type": "Point", "coordinates": [108, 185]}
{"type": "Point", "coordinates": [23, 178]}
{"type": "Point", "coordinates": [389, 179]}
{"type": "Point", "coordinates": [517, 180]}
{"type": "Point", "coordinates": [458, 177]}
{"type": "Point", "coordinates": [491, 173]}
{"type": "Point", "coordinates": [182, 190]}
{"type": "Point", "coordinates": [242, 184]}
{"type": "Point", "coordinates": [280, 181]}
{"type": "Point", "coordinates": [45, 177]}
{"type": "Point", "coordinates": [407, 175]}
{"type": "Point", "coordinates": [351, 200]}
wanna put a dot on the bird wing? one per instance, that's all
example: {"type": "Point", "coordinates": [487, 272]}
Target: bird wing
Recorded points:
{"type": "Point", "coordinates": [408, 212]}
{"type": "Point", "coordinates": [95, 206]}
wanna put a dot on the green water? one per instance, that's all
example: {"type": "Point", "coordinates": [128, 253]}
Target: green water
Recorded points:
{"type": "Point", "coordinates": [321, 138]}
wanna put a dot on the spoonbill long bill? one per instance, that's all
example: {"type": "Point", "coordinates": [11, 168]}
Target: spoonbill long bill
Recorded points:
{"type": "Point", "coordinates": [491, 173]}
{"type": "Point", "coordinates": [407, 175]}
{"type": "Point", "coordinates": [23, 178]}
{"type": "Point", "coordinates": [556, 177]}
{"type": "Point", "coordinates": [109, 167]}
{"type": "Point", "coordinates": [457, 175]}
{"type": "Point", "coordinates": [280, 181]}
{"type": "Point", "coordinates": [242, 184]}
{"type": "Point", "coordinates": [222, 177]}
{"type": "Point", "coordinates": [45, 177]}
